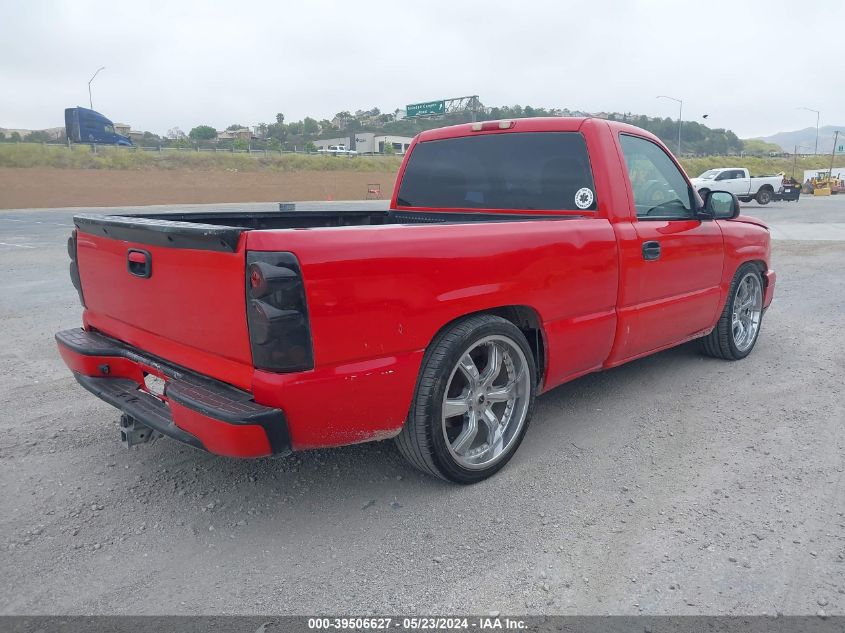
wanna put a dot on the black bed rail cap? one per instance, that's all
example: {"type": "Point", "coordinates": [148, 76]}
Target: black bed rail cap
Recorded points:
{"type": "Point", "coordinates": [161, 231]}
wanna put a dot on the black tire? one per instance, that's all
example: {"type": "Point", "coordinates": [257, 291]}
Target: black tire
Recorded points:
{"type": "Point", "coordinates": [422, 440]}
{"type": "Point", "coordinates": [720, 342]}
{"type": "Point", "coordinates": [765, 195]}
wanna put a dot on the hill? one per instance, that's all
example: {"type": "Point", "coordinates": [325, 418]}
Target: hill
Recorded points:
{"type": "Point", "coordinates": [806, 138]}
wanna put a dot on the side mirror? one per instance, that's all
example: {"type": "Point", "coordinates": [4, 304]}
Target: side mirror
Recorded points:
{"type": "Point", "coordinates": [721, 205]}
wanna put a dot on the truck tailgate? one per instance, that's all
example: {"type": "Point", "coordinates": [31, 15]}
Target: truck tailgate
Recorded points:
{"type": "Point", "coordinates": [191, 307]}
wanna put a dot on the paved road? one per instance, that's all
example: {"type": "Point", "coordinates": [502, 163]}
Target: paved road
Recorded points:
{"type": "Point", "coordinates": [810, 218]}
{"type": "Point", "coordinates": [674, 484]}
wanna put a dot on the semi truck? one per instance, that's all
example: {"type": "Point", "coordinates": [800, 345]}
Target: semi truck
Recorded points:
{"type": "Point", "coordinates": [515, 256]}
{"type": "Point", "coordinates": [88, 126]}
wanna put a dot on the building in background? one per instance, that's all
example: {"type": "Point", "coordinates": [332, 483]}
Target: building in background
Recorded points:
{"type": "Point", "coordinates": [324, 143]}
{"type": "Point", "coordinates": [230, 135]}
{"type": "Point", "coordinates": [371, 143]}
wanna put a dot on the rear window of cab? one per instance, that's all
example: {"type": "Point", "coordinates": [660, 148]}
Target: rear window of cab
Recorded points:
{"type": "Point", "coordinates": [515, 170]}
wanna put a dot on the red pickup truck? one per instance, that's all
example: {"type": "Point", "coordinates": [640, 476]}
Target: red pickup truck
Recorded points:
{"type": "Point", "coordinates": [515, 256]}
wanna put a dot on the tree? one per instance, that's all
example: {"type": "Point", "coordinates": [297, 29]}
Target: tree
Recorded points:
{"type": "Point", "coordinates": [240, 143]}
{"type": "Point", "coordinates": [2, 136]}
{"type": "Point", "coordinates": [388, 148]}
{"type": "Point", "coordinates": [274, 144]}
{"type": "Point", "coordinates": [280, 118]}
{"type": "Point", "coordinates": [310, 127]}
{"type": "Point", "coordinates": [183, 141]}
{"type": "Point", "coordinates": [309, 147]}
{"type": "Point", "coordinates": [203, 133]}
{"type": "Point", "coordinates": [235, 126]}
{"type": "Point", "coordinates": [15, 137]}
{"type": "Point", "coordinates": [175, 133]}
{"type": "Point", "coordinates": [38, 136]}
{"type": "Point", "coordinates": [278, 131]}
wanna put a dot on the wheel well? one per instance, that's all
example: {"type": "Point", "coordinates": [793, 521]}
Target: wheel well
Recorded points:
{"type": "Point", "coordinates": [761, 268]}
{"type": "Point", "coordinates": [766, 188]}
{"type": "Point", "coordinates": [528, 321]}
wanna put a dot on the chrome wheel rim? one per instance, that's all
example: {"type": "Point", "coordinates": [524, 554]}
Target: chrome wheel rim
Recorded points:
{"type": "Point", "coordinates": [486, 402]}
{"type": "Point", "coordinates": [747, 310]}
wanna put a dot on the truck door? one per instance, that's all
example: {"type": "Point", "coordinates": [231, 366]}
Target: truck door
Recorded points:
{"type": "Point", "coordinates": [671, 262]}
{"type": "Point", "coordinates": [735, 181]}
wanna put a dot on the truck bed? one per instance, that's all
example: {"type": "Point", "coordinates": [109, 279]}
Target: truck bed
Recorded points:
{"type": "Point", "coordinates": [221, 231]}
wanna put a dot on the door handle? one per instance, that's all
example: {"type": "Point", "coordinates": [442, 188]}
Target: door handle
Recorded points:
{"type": "Point", "coordinates": [651, 251]}
{"type": "Point", "coordinates": [139, 263]}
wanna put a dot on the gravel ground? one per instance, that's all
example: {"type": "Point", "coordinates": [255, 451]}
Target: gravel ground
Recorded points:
{"type": "Point", "coordinates": [673, 485]}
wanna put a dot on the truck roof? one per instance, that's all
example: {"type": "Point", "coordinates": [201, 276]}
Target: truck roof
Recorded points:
{"type": "Point", "coordinates": [534, 124]}
{"type": "Point", "coordinates": [531, 124]}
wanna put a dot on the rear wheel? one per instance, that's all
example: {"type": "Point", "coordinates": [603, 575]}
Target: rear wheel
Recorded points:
{"type": "Point", "coordinates": [473, 401]}
{"type": "Point", "coordinates": [735, 334]}
{"type": "Point", "coordinates": [764, 196]}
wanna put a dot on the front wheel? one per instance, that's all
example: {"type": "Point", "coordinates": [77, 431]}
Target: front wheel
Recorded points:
{"type": "Point", "coordinates": [473, 401]}
{"type": "Point", "coordinates": [764, 196]}
{"type": "Point", "coordinates": [735, 334]}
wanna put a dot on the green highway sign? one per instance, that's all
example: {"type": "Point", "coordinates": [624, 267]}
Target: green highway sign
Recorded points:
{"type": "Point", "coordinates": [429, 108]}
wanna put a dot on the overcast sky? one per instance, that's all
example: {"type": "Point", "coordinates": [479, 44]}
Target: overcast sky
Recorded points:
{"type": "Point", "coordinates": [748, 64]}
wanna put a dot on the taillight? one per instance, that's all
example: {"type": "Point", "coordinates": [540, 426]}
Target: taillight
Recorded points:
{"type": "Point", "coordinates": [74, 266]}
{"type": "Point", "coordinates": [277, 314]}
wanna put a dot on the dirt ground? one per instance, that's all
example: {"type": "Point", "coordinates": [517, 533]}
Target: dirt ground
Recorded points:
{"type": "Point", "coordinates": [45, 187]}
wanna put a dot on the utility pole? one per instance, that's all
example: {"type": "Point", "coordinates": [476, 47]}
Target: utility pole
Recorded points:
{"type": "Point", "coordinates": [817, 126]}
{"type": "Point", "coordinates": [90, 101]}
{"type": "Point", "coordinates": [680, 116]}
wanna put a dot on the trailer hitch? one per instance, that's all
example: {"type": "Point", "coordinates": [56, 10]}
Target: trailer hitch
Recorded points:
{"type": "Point", "coordinates": [133, 432]}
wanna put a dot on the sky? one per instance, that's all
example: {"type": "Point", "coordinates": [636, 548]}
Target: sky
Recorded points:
{"type": "Point", "coordinates": [750, 65]}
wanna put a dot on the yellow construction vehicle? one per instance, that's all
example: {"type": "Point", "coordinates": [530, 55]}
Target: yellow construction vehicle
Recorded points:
{"type": "Point", "coordinates": [824, 185]}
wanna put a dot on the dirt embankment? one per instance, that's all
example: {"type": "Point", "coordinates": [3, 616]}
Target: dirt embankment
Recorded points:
{"type": "Point", "coordinates": [42, 187]}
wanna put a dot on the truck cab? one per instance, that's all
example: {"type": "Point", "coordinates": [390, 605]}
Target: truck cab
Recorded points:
{"type": "Point", "coordinates": [88, 126]}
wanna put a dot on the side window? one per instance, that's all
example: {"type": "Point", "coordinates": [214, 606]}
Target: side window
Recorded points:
{"type": "Point", "coordinates": [660, 190]}
{"type": "Point", "coordinates": [725, 175]}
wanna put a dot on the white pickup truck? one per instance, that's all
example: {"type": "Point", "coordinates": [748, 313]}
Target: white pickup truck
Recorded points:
{"type": "Point", "coordinates": [738, 181]}
{"type": "Point", "coordinates": [337, 150]}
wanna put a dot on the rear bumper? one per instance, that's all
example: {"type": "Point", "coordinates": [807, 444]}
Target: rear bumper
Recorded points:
{"type": "Point", "coordinates": [769, 290]}
{"type": "Point", "coordinates": [194, 409]}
